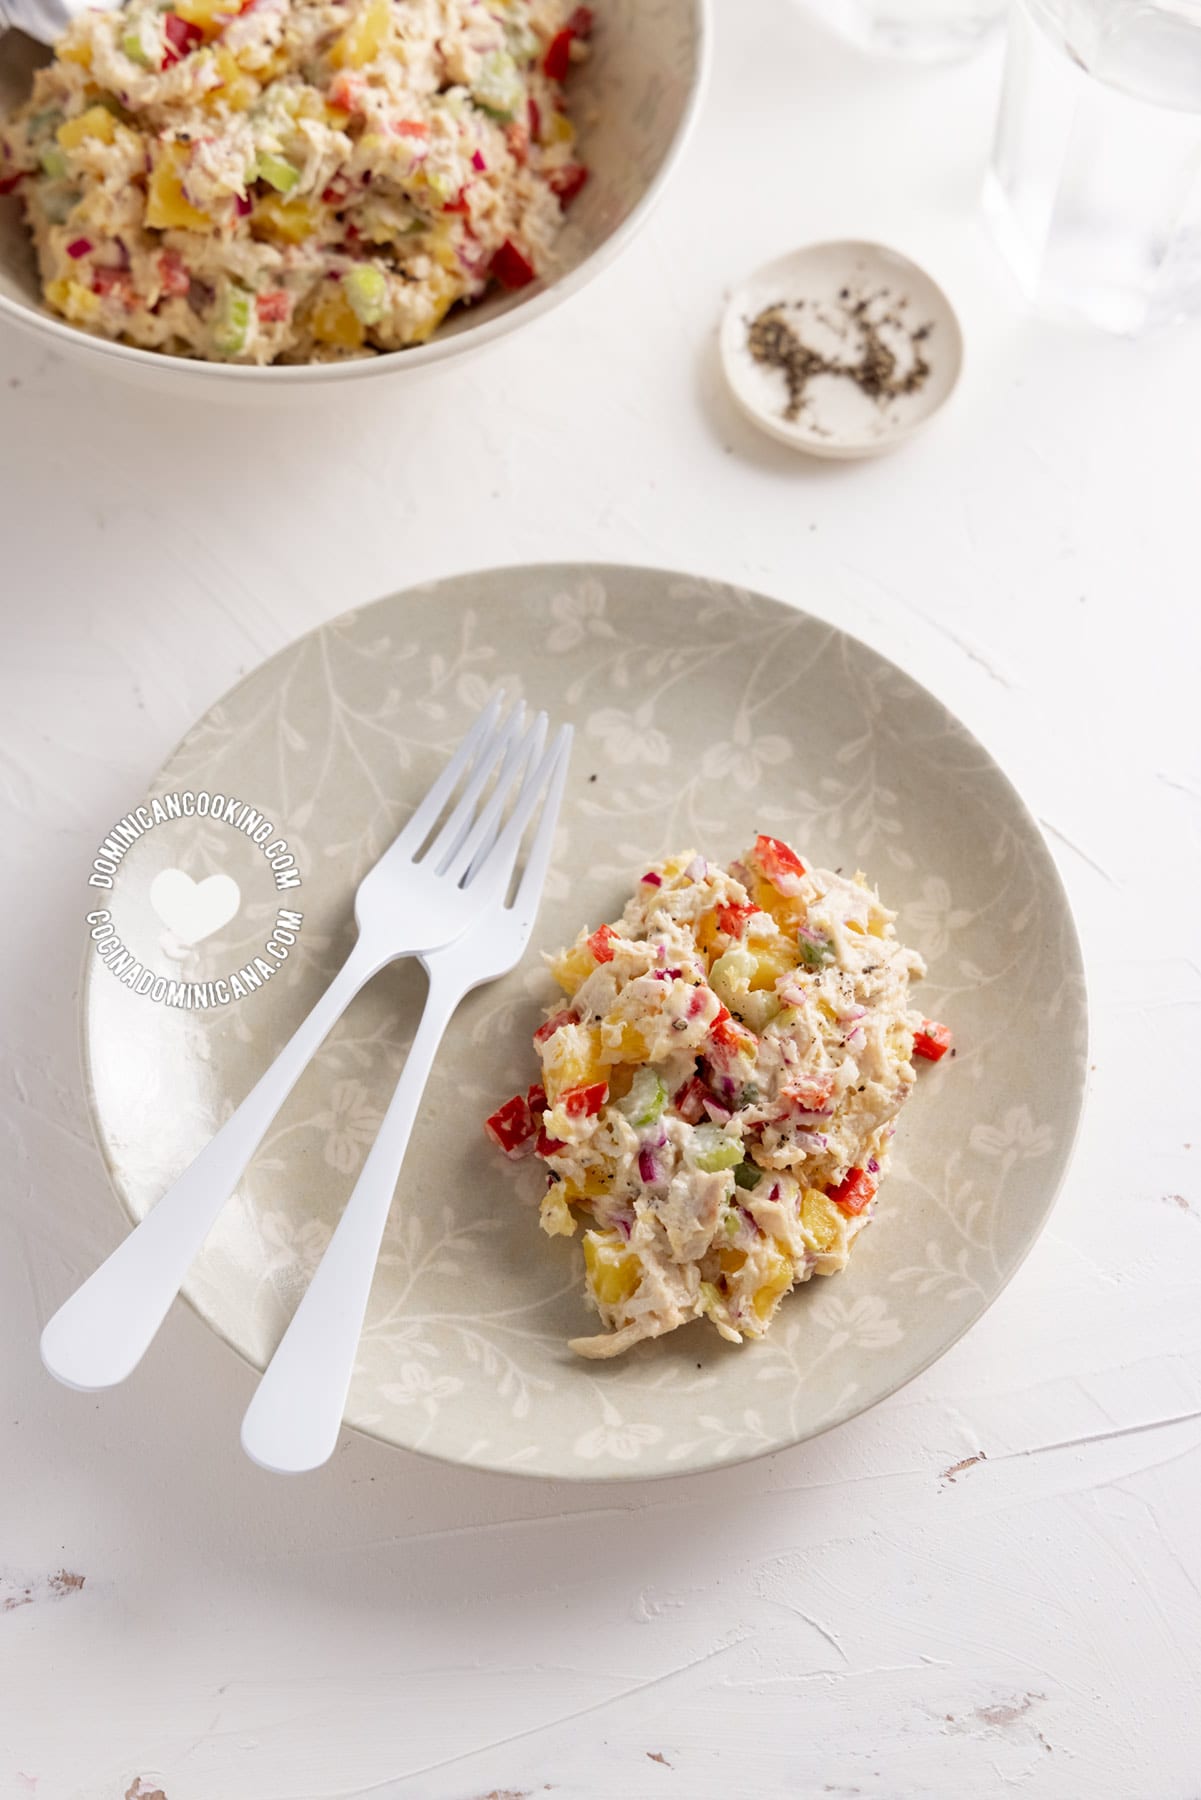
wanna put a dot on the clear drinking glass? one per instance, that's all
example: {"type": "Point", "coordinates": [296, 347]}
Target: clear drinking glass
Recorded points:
{"type": "Point", "coordinates": [1094, 192]}
{"type": "Point", "coordinates": [923, 30]}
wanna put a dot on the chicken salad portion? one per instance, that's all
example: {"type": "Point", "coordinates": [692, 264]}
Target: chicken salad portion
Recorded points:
{"type": "Point", "coordinates": [719, 1094]}
{"type": "Point", "coordinates": [263, 181]}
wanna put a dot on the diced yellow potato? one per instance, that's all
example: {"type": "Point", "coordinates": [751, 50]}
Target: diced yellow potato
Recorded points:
{"type": "Point", "coordinates": [821, 1221]}
{"type": "Point", "coordinates": [288, 221]}
{"type": "Point", "coordinates": [444, 291]}
{"type": "Point", "coordinates": [167, 206]}
{"type": "Point", "coordinates": [788, 910]}
{"type": "Point", "coordinates": [555, 1215]}
{"type": "Point", "coordinates": [70, 51]}
{"type": "Point", "coordinates": [771, 961]}
{"type": "Point", "coordinates": [558, 129]}
{"type": "Point", "coordinates": [778, 1282]}
{"type": "Point", "coordinates": [613, 1270]}
{"type": "Point", "coordinates": [209, 15]}
{"type": "Point", "coordinates": [96, 122]}
{"type": "Point", "coordinates": [363, 38]}
{"type": "Point", "coordinates": [591, 1185]}
{"type": "Point", "coordinates": [731, 1261]}
{"type": "Point", "coordinates": [334, 321]}
{"type": "Point", "coordinates": [572, 1058]}
{"type": "Point", "coordinates": [707, 935]}
{"type": "Point", "coordinates": [238, 90]}
{"type": "Point", "coordinates": [336, 118]}
{"type": "Point", "coordinates": [631, 1047]}
{"type": "Point", "coordinates": [74, 301]}
{"type": "Point", "coordinates": [621, 1080]}
{"type": "Point", "coordinates": [571, 968]}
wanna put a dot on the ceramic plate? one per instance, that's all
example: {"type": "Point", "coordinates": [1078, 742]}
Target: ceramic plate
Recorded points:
{"type": "Point", "coordinates": [703, 714]}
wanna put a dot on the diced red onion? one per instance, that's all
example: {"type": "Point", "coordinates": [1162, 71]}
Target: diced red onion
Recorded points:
{"type": "Point", "coordinates": [648, 1165]}
{"type": "Point", "coordinates": [243, 205]}
{"type": "Point", "coordinates": [720, 1115]}
{"type": "Point", "coordinates": [478, 163]}
{"type": "Point", "coordinates": [79, 247]}
{"type": "Point", "coordinates": [873, 1167]}
{"type": "Point", "coordinates": [650, 879]}
{"type": "Point", "coordinates": [697, 869]}
{"type": "Point", "coordinates": [810, 937]}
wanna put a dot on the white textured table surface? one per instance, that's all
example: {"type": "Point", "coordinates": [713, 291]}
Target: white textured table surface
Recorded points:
{"type": "Point", "coordinates": [849, 1618]}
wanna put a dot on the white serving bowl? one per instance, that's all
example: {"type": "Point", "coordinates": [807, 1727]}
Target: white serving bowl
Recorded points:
{"type": "Point", "coordinates": [636, 98]}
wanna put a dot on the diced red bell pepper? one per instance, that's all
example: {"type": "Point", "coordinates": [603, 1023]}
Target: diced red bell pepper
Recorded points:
{"type": "Point", "coordinates": [689, 1102]}
{"type": "Point", "coordinates": [410, 127]}
{"type": "Point", "coordinates": [172, 274]}
{"type": "Point", "coordinates": [855, 1191]}
{"type": "Point", "coordinates": [548, 1146]}
{"type": "Point", "coordinates": [557, 60]}
{"type": "Point", "coordinates": [182, 38]}
{"type": "Point", "coordinates": [584, 1102]}
{"type": "Point", "coordinates": [458, 204]}
{"type": "Point", "coordinates": [551, 1025]}
{"type": "Point", "coordinates": [600, 943]}
{"type": "Point", "coordinates": [8, 183]}
{"type": "Point", "coordinates": [106, 281]}
{"type": "Point", "coordinates": [511, 267]}
{"type": "Point", "coordinates": [535, 1099]}
{"type": "Point", "coordinates": [731, 1035]}
{"type": "Point", "coordinates": [534, 114]}
{"type": "Point", "coordinates": [517, 137]}
{"type": "Point", "coordinates": [512, 1128]}
{"type": "Point", "coordinates": [581, 22]}
{"type": "Point", "coordinates": [777, 859]}
{"type": "Point", "coordinates": [732, 917]}
{"type": "Point", "coordinates": [567, 182]}
{"type": "Point", "coordinates": [932, 1041]}
{"type": "Point", "coordinates": [810, 1096]}
{"type": "Point", "coordinates": [346, 93]}
{"type": "Point", "coordinates": [274, 307]}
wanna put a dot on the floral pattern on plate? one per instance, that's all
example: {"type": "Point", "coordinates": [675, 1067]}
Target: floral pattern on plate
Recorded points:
{"type": "Point", "coordinates": [704, 713]}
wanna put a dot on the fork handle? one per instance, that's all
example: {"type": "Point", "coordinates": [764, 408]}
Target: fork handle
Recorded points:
{"type": "Point", "coordinates": [292, 1423]}
{"type": "Point", "coordinates": [98, 1336]}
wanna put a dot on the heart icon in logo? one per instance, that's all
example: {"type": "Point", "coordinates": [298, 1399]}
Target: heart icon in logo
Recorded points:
{"type": "Point", "coordinates": [193, 910]}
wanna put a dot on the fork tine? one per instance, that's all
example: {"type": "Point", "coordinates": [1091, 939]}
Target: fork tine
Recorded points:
{"type": "Point", "coordinates": [467, 854]}
{"type": "Point", "coordinates": [520, 756]}
{"type": "Point", "coordinates": [533, 879]}
{"type": "Point", "coordinates": [494, 751]}
{"type": "Point", "coordinates": [500, 860]}
{"type": "Point", "coordinates": [426, 814]}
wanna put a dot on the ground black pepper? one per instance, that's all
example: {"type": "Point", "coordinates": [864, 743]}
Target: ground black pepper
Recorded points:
{"type": "Point", "coordinates": [857, 320]}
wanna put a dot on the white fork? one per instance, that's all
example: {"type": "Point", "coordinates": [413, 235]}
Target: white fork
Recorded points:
{"type": "Point", "coordinates": [407, 903]}
{"type": "Point", "coordinates": [293, 1421]}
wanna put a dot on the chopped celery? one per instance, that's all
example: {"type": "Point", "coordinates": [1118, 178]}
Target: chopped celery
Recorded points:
{"type": "Point", "coordinates": [59, 203]}
{"type": "Point", "coordinates": [278, 172]}
{"type": "Point", "coordinates": [746, 1175]}
{"type": "Point", "coordinates": [53, 161]}
{"type": "Point", "coordinates": [367, 291]}
{"type": "Point", "coordinates": [498, 88]}
{"type": "Point", "coordinates": [646, 1099]}
{"type": "Point", "coordinates": [134, 48]}
{"type": "Point", "coordinates": [814, 955]}
{"type": "Point", "coordinates": [732, 973]}
{"type": "Point", "coordinates": [711, 1150]}
{"type": "Point", "coordinates": [233, 321]}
